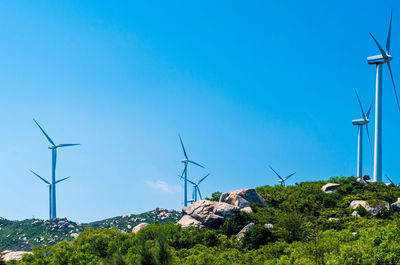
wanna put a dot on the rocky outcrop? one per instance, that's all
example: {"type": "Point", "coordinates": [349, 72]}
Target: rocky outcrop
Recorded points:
{"type": "Point", "coordinates": [269, 226]}
{"type": "Point", "coordinates": [246, 209]}
{"type": "Point", "coordinates": [330, 187]}
{"type": "Point", "coordinates": [187, 221]}
{"type": "Point", "coordinates": [9, 255]}
{"type": "Point", "coordinates": [211, 214]}
{"type": "Point", "coordinates": [375, 210]}
{"type": "Point", "coordinates": [354, 213]}
{"type": "Point", "coordinates": [240, 235]}
{"type": "Point", "coordinates": [365, 180]}
{"type": "Point", "coordinates": [242, 198]}
{"type": "Point", "coordinates": [396, 205]}
{"type": "Point", "coordinates": [139, 227]}
{"type": "Point", "coordinates": [206, 214]}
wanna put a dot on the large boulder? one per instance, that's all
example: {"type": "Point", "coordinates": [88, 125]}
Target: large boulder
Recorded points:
{"type": "Point", "coordinates": [139, 227]}
{"type": "Point", "coordinates": [207, 214]}
{"type": "Point", "coordinates": [396, 205]}
{"type": "Point", "coordinates": [242, 198]}
{"type": "Point", "coordinates": [366, 180]}
{"type": "Point", "coordinates": [240, 235]}
{"type": "Point", "coordinates": [187, 221]}
{"type": "Point", "coordinates": [9, 255]}
{"type": "Point", "coordinates": [330, 187]}
{"type": "Point", "coordinates": [375, 210]}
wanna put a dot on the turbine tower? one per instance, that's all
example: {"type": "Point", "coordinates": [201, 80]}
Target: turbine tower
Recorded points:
{"type": "Point", "coordinates": [53, 147]}
{"type": "Point", "coordinates": [282, 180]}
{"type": "Point", "coordinates": [48, 183]}
{"type": "Point", "coordinates": [379, 60]}
{"type": "Point", "coordinates": [186, 161]}
{"type": "Point", "coordinates": [360, 123]}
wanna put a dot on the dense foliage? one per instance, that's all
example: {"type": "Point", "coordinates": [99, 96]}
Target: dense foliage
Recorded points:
{"type": "Point", "coordinates": [26, 234]}
{"type": "Point", "coordinates": [302, 233]}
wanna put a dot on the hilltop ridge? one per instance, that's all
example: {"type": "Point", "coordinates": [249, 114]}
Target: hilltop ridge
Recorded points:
{"type": "Point", "coordinates": [339, 221]}
{"type": "Point", "coordinates": [26, 234]}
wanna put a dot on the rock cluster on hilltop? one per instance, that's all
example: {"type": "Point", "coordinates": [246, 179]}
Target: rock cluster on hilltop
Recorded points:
{"type": "Point", "coordinates": [242, 198]}
{"type": "Point", "coordinates": [330, 187]}
{"type": "Point", "coordinates": [365, 180]}
{"type": "Point", "coordinates": [378, 208]}
{"type": "Point", "coordinates": [211, 214]}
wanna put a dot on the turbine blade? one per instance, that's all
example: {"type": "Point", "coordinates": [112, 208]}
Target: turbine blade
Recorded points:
{"type": "Point", "coordinates": [40, 177]}
{"type": "Point", "coordinates": [369, 110]}
{"type": "Point", "coordinates": [198, 189]}
{"type": "Point", "coordinates": [379, 46]}
{"type": "Point", "coordinates": [203, 179]}
{"type": "Point", "coordinates": [394, 87]}
{"type": "Point", "coordinates": [390, 180]}
{"type": "Point", "coordinates": [45, 134]}
{"type": "Point", "coordinates": [369, 142]}
{"type": "Point", "coordinates": [65, 145]}
{"type": "Point", "coordinates": [276, 173]}
{"type": "Point", "coordinates": [191, 182]}
{"type": "Point", "coordinates": [359, 102]}
{"type": "Point", "coordinates": [290, 176]}
{"type": "Point", "coordinates": [62, 179]}
{"type": "Point", "coordinates": [389, 34]}
{"type": "Point", "coordinates": [197, 164]}
{"type": "Point", "coordinates": [183, 172]}
{"type": "Point", "coordinates": [183, 147]}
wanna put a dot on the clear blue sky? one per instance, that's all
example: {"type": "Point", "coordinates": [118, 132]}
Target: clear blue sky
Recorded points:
{"type": "Point", "coordinates": [247, 84]}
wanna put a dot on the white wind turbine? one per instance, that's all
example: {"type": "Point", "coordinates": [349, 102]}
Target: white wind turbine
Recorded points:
{"type": "Point", "coordinates": [379, 60]}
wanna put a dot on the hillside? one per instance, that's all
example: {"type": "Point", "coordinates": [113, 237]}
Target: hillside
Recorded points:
{"type": "Point", "coordinates": [298, 224]}
{"type": "Point", "coordinates": [26, 234]}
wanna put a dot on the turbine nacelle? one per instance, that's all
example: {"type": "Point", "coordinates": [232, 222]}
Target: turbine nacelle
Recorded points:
{"type": "Point", "coordinates": [379, 59]}
{"type": "Point", "coordinates": [360, 122]}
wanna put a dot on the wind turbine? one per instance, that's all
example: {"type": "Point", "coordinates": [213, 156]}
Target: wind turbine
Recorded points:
{"type": "Point", "coordinates": [53, 147]}
{"type": "Point", "coordinates": [360, 123]}
{"type": "Point", "coordinates": [186, 161]}
{"type": "Point", "coordinates": [196, 189]}
{"type": "Point", "coordinates": [282, 180]}
{"type": "Point", "coordinates": [379, 60]}
{"type": "Point", "coordinates": [48, 183]}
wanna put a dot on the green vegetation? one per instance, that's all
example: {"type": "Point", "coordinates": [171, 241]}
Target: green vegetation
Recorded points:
{"type": "Point", "coordinates": [26, 234]}
{"type": "Point", "coordinates": [214, 196]}
{"type": "Point", "coordinates": [302, 233]}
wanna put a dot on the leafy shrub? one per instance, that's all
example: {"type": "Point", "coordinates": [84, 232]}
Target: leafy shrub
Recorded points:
{"type": "Point", "coordinates": [236, 222]}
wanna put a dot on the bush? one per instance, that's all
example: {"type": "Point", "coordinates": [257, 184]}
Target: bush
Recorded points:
{"type": "Point", "coordinates": [236, 222]}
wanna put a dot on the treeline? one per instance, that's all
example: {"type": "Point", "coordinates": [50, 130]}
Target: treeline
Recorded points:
{"type": "Point", "coordinates": [308, 227]}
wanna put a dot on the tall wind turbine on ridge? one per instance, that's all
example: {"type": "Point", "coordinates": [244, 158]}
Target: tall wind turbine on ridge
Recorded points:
{"type": "Point", "coordinates": [186, 161]}
{"type": "Point", "coordinates": [48, 183]}
{"type": "Point", "coordinates": [379, 60]}
{"type": "Point", "coordinates": [360, 123]}
{"type": "Point", "coordinates": [281, 180]}
{"type": "Point", "coordinates": [53, 147]}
